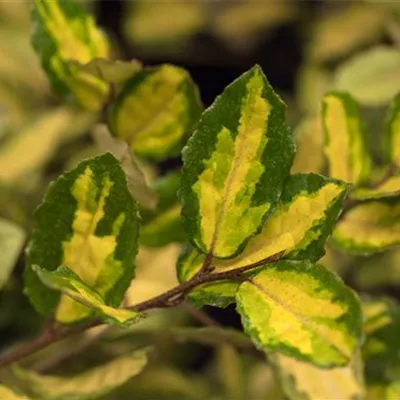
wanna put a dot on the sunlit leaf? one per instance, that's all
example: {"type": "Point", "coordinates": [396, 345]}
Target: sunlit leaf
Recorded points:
{"type": "Point", "coordinates": [91, 384]}
{"type": "Point", "coordinates": [369, 227]}
{"type": "Point", "coordinates": [11, 241]}
{"type": "Point", "coordinates": [344, 138]}
{"type": "Point", "coordinates": [88, 222]}
{"type": "Point", "coordinates": [303, 311]}
{"type": "Point", "coordinates": [338, 32]}
{"type": "Point", "coordinates": [156, 110]}
{"type": "Point", "coordinates": [64, 33]}
{"type": "Point", "coordinates": [372, 77]}
{"type": "Point", "coordinates": [302, 221]}
{"type": "Point", "coordinates": [235, 165]}
{"type": "Point", "coordinates": [68, 282]}
{"type": "Point", "coordinates": [304, 381]}
{"type": "Point", "coordinates": [392, 132]}
{"type": "Point", "coordinates": [163, 225]}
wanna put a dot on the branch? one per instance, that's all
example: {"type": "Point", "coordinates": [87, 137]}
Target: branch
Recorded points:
{"type": "Point", "coordinates": [173, 296]}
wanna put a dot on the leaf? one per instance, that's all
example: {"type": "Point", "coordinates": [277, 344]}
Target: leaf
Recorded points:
{"type": "Point", "coordinates": [217, 294]}
{"type": "Point", "coordinates": [338, 32]}
{"type": "Point", "coordinates": [8, 394]}
{"type": "Point", "coordinates": [345, 146]}
{"type": "Point", "coordinates": [88, 222]}
{"type": "Point", "coordinates": [384, 391]}
{"type": "Point", "coordinates": [303, 311]}
{"type": "Point", "coordinates": [304, 381]}
{"type": "Point", "coordinates": [63, 34]}
{"type": "Point", "coordinates": [300, 225]}
{"type": "Point", "coordinates": [392, 132]}
{"type": "Point", "coordinates": [389, 188]}
{"type": "Point", "coordinates": [377, 313]}
{"type": "Point", "coordinates": [12, 239]}
{"type": "Point", "coordinates": [235, 165]}
{"type": "Point", "coordinates": [372, 77]}
{"type": "Point", "coordinates": [309, 147]}
{"type": "Point", "coordinates": [163, 225]}
{"type": "Point", "coordinates": [29, 149]}
{"type": "Point", "coordinates": [155, 111]}
{"type": "Point", "coordinates": [136, 181]}
{"type": "Point", "coordinates": [369, 228]}
{"type": "Point", "coordinates": [155, 273]}
{"type": "Point", "coordinates": [115, 72]}
{"type": "Point", "coordinates": [69, 283]}
{"type": "Point", "coordinates": [303, 219]}
{"type": "Point", "coordinates": [91, 384]}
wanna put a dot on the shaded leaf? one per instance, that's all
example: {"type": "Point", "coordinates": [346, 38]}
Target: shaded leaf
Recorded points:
{"type": "Point", "coordinates": [304, 381]}
{"type": "Point", "coordinates": [338, 32]}
{"type": "Point", "coordinates": [88, 222]}
{"type": "Point", "coordinates": [114, 72]}
{"type": "Point", "coordinates": [156, 110]}
{"type": "Point", "coordinates": [163, 225]}
{"type": "Point", "coordinates": [372, 77]}
{"type": "Point", "coordinates": [63, 33]}
{"type": "Point", "coordinates": [345, 146]}
{"type": "Point", "coordinates": [303, 311]}
{"type": "Point", "coordinates": [155, 273]}
{"type": "Point", "coordinates": [369, 227]}
{"type": "Point", "coordinates": [392, 132]}
{"type": "Point", "coordinates": [91, 384]}
{"type": "Point", "coordinates": [235, 165]}
{"type": "Point", "coordinates": [12, 238]}
{"type": "Point", "coordinates": [26, 151]}
{"type": "Point", "coordinates": [136, 181]}
{"type": "Point", "coordinates": [8, 394]}
{"type": "Point", "coordinates": [389, 188]}
{"type": "Point", "coordinates": [309, 147]}
{"type": "Point", "coordinates": [68, 282]}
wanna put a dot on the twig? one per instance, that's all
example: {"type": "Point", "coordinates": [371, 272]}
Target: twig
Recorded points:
{"type": "Point", "coordinates": [178, 293]}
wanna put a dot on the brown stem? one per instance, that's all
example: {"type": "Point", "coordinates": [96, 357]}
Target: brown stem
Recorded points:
{"type": "Point", "coordinates": [50, 336]}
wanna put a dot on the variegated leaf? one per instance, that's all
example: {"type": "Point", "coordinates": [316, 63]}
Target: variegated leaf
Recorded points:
{"type": "Point", "coordinates": [298, 229]}
{"type": "Point", "coordinates": [345, 146]}
{"type": "Point", "coordinates": [392, 132]}
{"type": "Point", "coordinates": [88, 222]}
{"type": "Point", "coordinates": [389, 188]}
{"type": "Point", "coordinates": [88, 385]}
{"type": "Point", "coordinates": [309, 147]}
{"type": "Point", "coordinates": [12, 238]}
{"type": "Point", "coordinates": [300, 225]}
{"type": "Point", "coordinates": [218, 294]}
{"type": "Point", "coordinates": [303, 311]}
{"type": "Point", "coordinates": [370, 227]}
{"type": "Point", "coordinates": [235, 165]}
{"type": "Point", "coordinates": [156, 110]}
{"type": "Point", "coordinates": [8, 394]}
{"type": "Point", "coordinates": [26, 151]}
{"type": "Point", "coordinates": [115, 72]}
{"type": "Point", "coordinates": [68, 282]}
{"type": "Point", "coordinates": [304, 381]}
{"type": "Point", "coordinates": [163, 225]}
{"type": "Point", "coordinates": [64, 34]}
